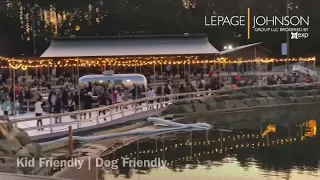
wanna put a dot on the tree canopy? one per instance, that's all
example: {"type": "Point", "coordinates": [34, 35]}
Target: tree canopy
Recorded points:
{"type": "Point", "coordinates": [131, 17]}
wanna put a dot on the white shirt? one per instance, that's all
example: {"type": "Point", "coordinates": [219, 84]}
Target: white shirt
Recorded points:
{"type": "Point", "coordinates": [194, 84]}
{"type": "Point", "coordinates": [38, 107]}
{"type": "Point", "coordinates": [150, 93]}
{"type": "Point", "coordinates": [53, 99]}
{"type": "Point", "coordinates": [119, 98]}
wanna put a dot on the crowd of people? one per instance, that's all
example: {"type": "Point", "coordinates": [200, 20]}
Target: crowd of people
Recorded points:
{"type": "Point", "coordinates": [68, 98]}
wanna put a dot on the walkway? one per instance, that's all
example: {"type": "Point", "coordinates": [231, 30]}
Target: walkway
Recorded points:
{"type": "Point", "coordinates": [28, 124]}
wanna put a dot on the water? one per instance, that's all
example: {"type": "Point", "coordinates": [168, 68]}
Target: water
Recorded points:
{"type": "Point", "coordinates": [277, 147]}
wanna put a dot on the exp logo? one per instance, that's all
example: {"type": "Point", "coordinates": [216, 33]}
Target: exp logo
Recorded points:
{"type": "Point", "coordinates": [297, 35]}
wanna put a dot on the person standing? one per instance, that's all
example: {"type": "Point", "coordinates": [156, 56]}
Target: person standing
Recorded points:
{"type": "Point", "coordinates": [64, 97]}
{"type": "Point", "coordinates": [39, 110]}
{"type": "Point", "coordinates": [150, 94]}
{"type": "Point", "coordinates": [57, 108]}
{"type": "Point", "coordinates": [102, 103]}
{"type": "Point", "coordinates": [88, 103]}
{"type": "Point", "coordinates": [6, 106]}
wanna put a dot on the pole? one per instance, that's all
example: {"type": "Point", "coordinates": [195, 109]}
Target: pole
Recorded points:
{"type": "Point", "coordinates": [178, 68]}
{"type": "Point", "coordinates": [14, 91]}
{"type": "Point", "coordinates": [161, 73]}
{"type": "Point", "coordinates": [154, 73]}
{"type": "Point", "coordinates": [221, 145]}
{"type": "Point", "coordinates": [70, 141]}
{"type": "Point", "coordinates": [184, 71]}
{"type": "Point", "coordinates": [79, 88]}
{"type": "Point", "coordinates": [207, 135]}
{"type": "Point", "coordinates": [288, 41]}
{"type": "Point", "coordinates": [33, 33]}
{"type": "Point", "coordinates": [255, 57]}
{"type": "Point", "coordinates": [191, 143]}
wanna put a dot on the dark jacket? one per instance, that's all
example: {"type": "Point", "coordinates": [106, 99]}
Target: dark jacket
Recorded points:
{"type": "Point", "coordinates": [64, 96]}
{"type": "Point", "coordinates": [88, 102]}
{"type": "Point", "coordinates": [58, 105]}
{"type": "Point", "coordinates": [102, 100]}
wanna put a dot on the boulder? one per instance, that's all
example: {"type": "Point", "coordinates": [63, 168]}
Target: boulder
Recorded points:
{"type": "Point", "coordinates": [262, 94]}
{"type": "Point", "coordinates": [283, 87]}
{"type": "Point", "coordinates": [209, 99]}
{"type": "Point", "coordinates": [196, 101]}
{"type": "Point", "coordinates": [230, 104]}
{"type": "Point", "coordinates": [25, 139]}
{"type": "Point", "coordinates": [239, 96]}
{"type": "Point", "coordinates": [185, 101]}
{"type": "Point", "coordinates": [199, 107]}
{"type": "Point", "coordinates": [255, 88]}
{"type": "Point", "coordinates": [34, 149]}
{"type": "Point", "coordinates": [317, 86]}
{"type": "Point", "coordinates": [266, 88]}
{"type": "Point", "coordinates": [24, 152]}
{"type": "Point", "coordinates": [305, 99]}
{"type": "Point", "coordinates": [225, 92]}
{"type": "Point", "coordinates": [14, 131]}
{"type": "Point", "coordinates": [211, 105]}
{"type": "Point", "coordinates": [284, 93]}
{"type": "Point", "coordinates": [12, 145]}
{"type": "Point", "coordinates": [5, 125]}
{"type": "Point", "coordinates": [7, 168]}
{"type": "Point", "coordinates": [4, 133]}
{"type": "Point", "coordinates": [313, 92]}
{"type": "Point", "coordinates": [272, 101]}
{"type": "Point", "coordinates": [305, 87]}
{"type": "Point", "coordinates": [220, 105]}
{"type": "Point", "coordinates": [251, 102]}
{"type": "Point", "coordinates": [186, 108]}
{"type": "Point", "coordinates": [6, 152]}
{"type": "Point", "coordinates": [262, 101]}
{"type": "Point", "coordinates": [273, 93]}
{"type": "Point", "coordinates": [171, 109]}
{"type": "Point", "coordinates": [222, 98]}
{"type": "Point", "coordinates": [299, 93]}
{"type": "Point", "coordinates": [274, 87]}
{"type": "Point", "coordinates": [316, 98]}
{"type": "Point", "coordinates": [285, 100]}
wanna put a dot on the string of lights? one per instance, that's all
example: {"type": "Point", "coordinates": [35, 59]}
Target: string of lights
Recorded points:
{"type": "Point", "coordinates": [24, 64]}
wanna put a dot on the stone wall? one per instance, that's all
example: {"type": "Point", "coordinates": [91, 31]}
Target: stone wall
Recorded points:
{"type": "Point", "coordinates": [16, 143]}
{"type": "Point", "coordinates": [248, 97]}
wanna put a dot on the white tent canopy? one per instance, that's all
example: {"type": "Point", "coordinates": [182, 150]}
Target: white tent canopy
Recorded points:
{"type": "Point", "coordinates": [130, 46]}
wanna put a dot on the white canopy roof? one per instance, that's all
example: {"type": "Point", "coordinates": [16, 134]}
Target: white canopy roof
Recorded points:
{"type": "Point", "coordinates": [130, 46]}
{"type": "Point", "coordinates": [241, 47]}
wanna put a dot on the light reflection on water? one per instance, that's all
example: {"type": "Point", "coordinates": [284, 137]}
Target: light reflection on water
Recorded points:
{"type": "Point", "coordinates": [286, 149]}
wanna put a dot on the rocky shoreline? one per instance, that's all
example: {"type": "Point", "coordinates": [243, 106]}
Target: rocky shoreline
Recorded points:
{"type": "Point", "coordinates": [16, 143]}
{"type": "Point", "coordinates": [247, 97]}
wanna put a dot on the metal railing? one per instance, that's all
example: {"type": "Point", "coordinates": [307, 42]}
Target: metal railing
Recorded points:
{"type": "Point", "coordinates": [109, 113]}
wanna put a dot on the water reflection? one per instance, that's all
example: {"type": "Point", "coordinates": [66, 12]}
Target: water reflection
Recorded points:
{"type": "Point", "coordinates": [287, 148]}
